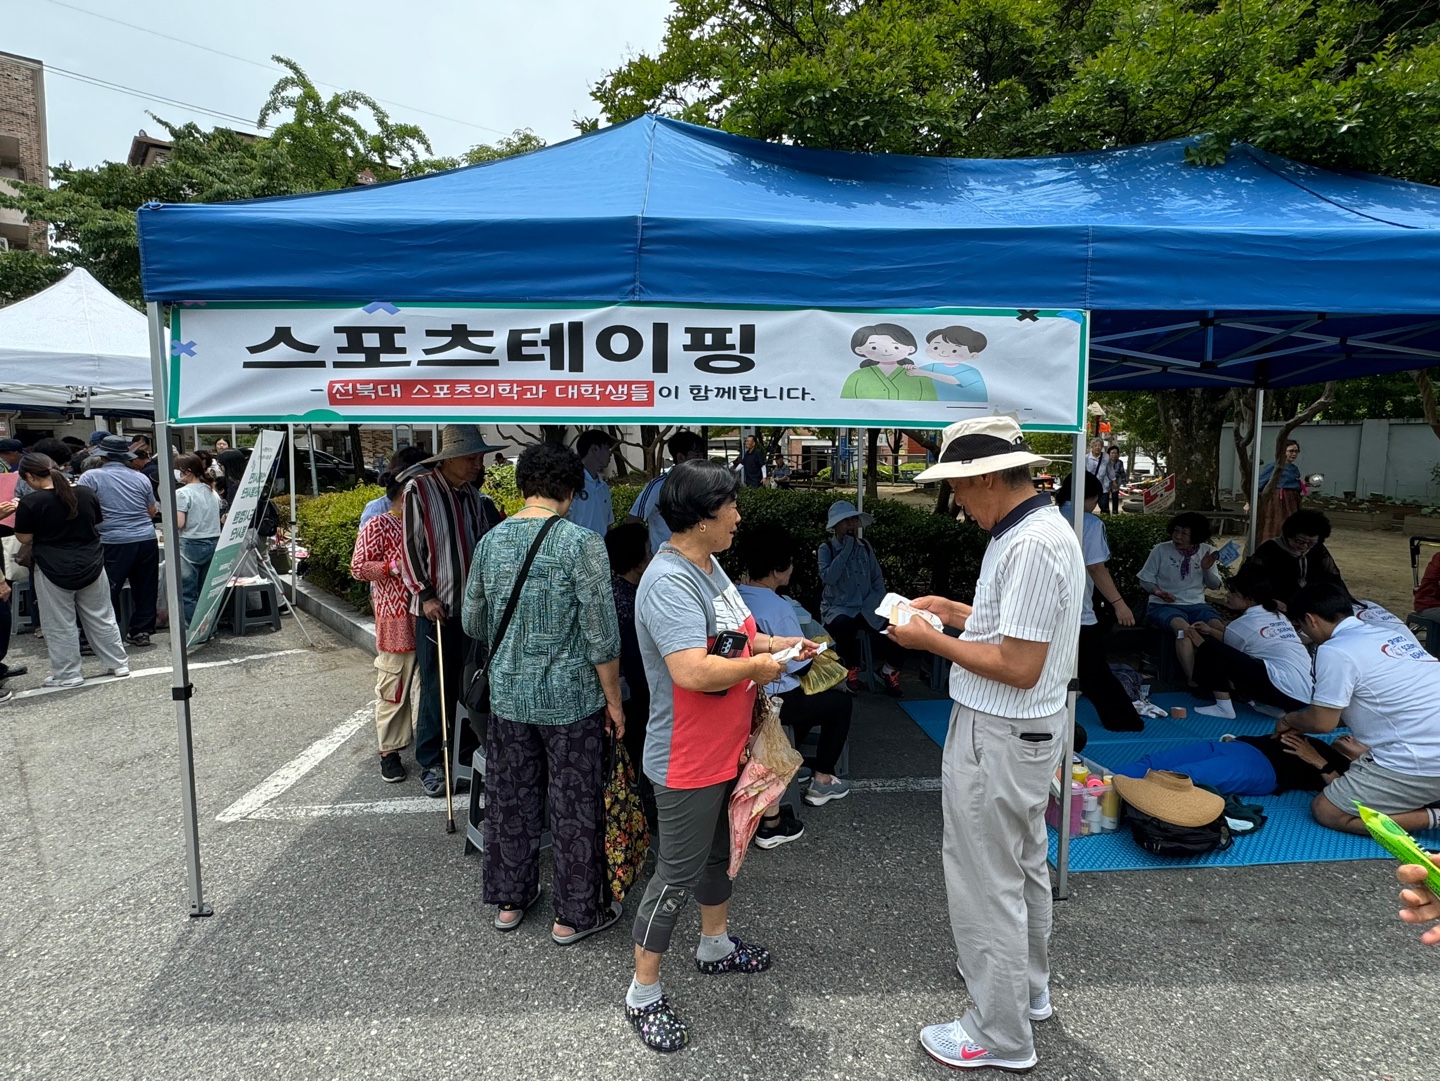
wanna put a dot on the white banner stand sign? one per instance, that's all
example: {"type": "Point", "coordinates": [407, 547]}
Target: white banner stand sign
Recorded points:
{"type": "Point", "coordinates": [234, 538]}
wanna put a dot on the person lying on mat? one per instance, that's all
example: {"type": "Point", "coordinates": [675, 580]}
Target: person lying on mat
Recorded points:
{"type": "Point", "coordinates": [1257, 655]}
{"type": "Point", "coordinates": [1421, 906]}
{"type": "Point", "coordinates": [1255, 765]}
{"type": "Point", "coordinates": [1386, 688]}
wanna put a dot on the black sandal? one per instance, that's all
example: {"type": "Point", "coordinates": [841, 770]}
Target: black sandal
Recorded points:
{"type": "Point", "coordinates": [659, 1026]}
{"type": "Point", "coordinates": [501, 925]}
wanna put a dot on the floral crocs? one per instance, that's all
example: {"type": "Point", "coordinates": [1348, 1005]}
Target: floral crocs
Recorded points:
{"type": "Point", "coordinates": [745, 957]}
{"type": "Point", "coordinates": [659, 1026]}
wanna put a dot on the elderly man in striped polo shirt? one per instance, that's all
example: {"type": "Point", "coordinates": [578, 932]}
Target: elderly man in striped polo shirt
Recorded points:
{"type": "Point", "coordinates": [1012, 665]}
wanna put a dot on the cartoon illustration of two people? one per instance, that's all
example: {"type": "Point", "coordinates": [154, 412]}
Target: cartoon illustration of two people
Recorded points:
{"type": "Point", "coordinates": [886, 370]}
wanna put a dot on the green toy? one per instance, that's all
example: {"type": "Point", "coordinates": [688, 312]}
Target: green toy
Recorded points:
{"type": "Point", "coordinates": [1399, 844]}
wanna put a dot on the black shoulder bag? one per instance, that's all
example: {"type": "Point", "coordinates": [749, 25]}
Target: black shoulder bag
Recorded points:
{"type": "Point", "coordinates": [476, 695]}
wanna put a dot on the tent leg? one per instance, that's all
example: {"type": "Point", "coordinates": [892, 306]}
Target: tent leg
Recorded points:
{"type": "Point", "coordinates": [180, 689]}
{"type": "Point", "coordinates": [1072, 698]}
{"type": "Point", "coordinates": [861, 439]}
{"type": "Point", "coordinates": [1255, 440]}
{"type": "Point", "coordinates": [290, 446]}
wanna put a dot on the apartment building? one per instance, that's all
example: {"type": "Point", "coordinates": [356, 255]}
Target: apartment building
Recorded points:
{"type": "Point", "coordinates": [24, 154]}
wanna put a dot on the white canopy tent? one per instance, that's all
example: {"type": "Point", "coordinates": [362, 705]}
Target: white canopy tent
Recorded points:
{"type": "Point", "coordinates": [75, 347]}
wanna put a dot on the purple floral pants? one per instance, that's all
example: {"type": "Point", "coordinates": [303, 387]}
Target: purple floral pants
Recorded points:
{"type": "Point", "coordinates": [526, 765]}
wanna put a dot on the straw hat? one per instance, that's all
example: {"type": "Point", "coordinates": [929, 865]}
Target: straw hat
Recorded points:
{"type": "Point", "coordinates": [845, 509]}
{"type": "Point", "coordinates": [458, 440]}
{"type": "Point", "coordinates": [1170, 797]}
{"type": "Point", "coordinates": [982, 445]}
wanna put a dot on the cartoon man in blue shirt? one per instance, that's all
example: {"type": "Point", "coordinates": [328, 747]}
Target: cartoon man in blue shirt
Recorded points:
{"type": "Point", "coordinates": [950, 348]}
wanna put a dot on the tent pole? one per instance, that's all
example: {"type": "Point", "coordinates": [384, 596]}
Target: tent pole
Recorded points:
{"type": "Point", "coordinates": [861, 439]}
{"type": "Point", "coordinates": [314, 476]}
{"type": "Point", "coordinates": [1072, 697]}
{"type": "Point", "coordinates": [180, 689]}
{"type": "Point", "coordinates": [290, 446]}
{"type": "Point", "coordinates": [1258, 424]}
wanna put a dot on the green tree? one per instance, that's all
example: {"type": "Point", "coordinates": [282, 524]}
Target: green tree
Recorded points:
{"type": "Point", "coordinates": [1335, 83]}
{"type": "Point", "coordinates": [326, 141]}
{"type": "Point", "coordinates": [318, 144]}
{"type": "Point", "coordinates": [26, 272]}
{"type": "Point", "coordinates": [519, 141]}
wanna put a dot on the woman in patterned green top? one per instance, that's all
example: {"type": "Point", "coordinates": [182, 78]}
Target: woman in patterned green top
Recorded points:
{"type": "Point", "coordinates": [554, 693]}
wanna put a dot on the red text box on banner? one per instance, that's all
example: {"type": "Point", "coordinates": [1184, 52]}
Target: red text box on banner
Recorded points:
{"type": "Point", "coordinates": [533, 392]}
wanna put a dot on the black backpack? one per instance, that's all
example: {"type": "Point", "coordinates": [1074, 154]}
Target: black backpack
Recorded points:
{"type": "Point", "coordinates": [1163, 839]}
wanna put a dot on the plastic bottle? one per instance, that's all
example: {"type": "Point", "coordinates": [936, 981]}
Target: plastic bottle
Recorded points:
{"type": "Point", "coordinates": [1110, 807]}
{"type": "Point", "coordinates": [1079, 772]}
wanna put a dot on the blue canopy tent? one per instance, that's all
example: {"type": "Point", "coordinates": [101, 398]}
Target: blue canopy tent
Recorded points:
{"type": "Point", "coordinates": [1259, 272]}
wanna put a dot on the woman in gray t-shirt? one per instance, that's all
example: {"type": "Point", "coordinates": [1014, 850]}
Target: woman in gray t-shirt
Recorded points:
{"type": "Point", "coordinates": [197, 516]}
{"type": "Point", "coordinates": [703, 660]}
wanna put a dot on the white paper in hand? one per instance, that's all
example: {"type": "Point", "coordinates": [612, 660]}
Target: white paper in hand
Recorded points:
{"type": "Point", "coordinates": [899, 611]}
{"type": "Point", "coordinates": [785, 656]}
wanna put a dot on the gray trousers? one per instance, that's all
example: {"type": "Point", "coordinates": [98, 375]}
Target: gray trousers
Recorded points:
{"type": "Point", "coordinates": [993, 789]}
{"type": "Point", "coordinates": [693, 856]}
{"type": "Point", "coordinates": [58, 611]}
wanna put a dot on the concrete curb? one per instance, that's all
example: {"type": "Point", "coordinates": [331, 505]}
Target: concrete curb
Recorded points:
{"type": "Point", "coordinates": [330, 610]}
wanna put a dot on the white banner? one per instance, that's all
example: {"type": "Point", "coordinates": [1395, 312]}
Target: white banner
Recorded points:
{"type": "Point", "coordinates": [639, 364]}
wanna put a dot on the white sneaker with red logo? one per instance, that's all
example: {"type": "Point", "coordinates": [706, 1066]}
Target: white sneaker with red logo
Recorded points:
{"type": "Point", "coordinates": [951, 1045]}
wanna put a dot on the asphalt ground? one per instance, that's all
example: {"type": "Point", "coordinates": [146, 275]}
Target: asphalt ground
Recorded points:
{"type": "Point", "coordinates": [349, 940]}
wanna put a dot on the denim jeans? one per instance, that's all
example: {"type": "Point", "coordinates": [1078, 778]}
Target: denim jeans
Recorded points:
{"type": "Point", "coordinates": [195, 556]}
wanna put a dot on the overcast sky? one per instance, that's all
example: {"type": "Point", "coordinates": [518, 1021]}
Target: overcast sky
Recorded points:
{"type": "Point", "coordinates": [490, 65]}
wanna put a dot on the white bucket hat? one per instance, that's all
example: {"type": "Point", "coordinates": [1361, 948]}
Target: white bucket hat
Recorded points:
{"type": "Point", "coordinates": [972, 448]}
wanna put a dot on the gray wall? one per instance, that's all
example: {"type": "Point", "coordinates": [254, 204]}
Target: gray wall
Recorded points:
{"type": "Point", "coordinates": [1385, 457]}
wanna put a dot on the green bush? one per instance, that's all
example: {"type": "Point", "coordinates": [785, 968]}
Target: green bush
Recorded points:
{"type": "Point", "coordinates": [328, 526]}
{"type": "Point", "coordinates": [500, 486]}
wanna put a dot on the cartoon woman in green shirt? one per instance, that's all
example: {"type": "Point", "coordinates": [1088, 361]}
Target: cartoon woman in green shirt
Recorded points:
{"type": "Point", "coordinates": [886, 370]}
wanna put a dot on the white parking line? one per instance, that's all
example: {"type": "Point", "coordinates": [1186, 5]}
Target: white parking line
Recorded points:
{"type": "Point", "coordinates": [142, 673]}
{"type": "Point", "coordinates": [896, 784]}
{"type": "Point", "coordinates": [287, 775]}
{"type": "Point", "coordinates": [400, 805]}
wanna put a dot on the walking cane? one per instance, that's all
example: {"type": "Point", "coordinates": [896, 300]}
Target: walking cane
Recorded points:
{"type": "Point", "coordinates": [444, 732]}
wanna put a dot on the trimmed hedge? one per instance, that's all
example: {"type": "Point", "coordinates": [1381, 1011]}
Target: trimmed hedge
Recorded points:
{"type": "Point", "coordinates": [920, 552]}
{"type": "Point", "coordinates": [328, 526]}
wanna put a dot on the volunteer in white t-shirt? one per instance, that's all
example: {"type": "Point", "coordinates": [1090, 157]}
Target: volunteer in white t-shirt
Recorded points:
{"type": "Point", "coordinates": [1097, 680]}
{"type": "Point", "coordinates": [1257, 656]}
{"type": "Point", "coordinates": [1386, 688]}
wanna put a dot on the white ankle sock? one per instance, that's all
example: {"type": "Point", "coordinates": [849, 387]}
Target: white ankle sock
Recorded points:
{"type": "Point", "coordinates": [1434, 818]}
{"type": "Point", "coordinates": [1223, 707]}
{"type": "Point", "coordinates": [642, 994]}
{"type": "Point", "coordinates": [714, 947]}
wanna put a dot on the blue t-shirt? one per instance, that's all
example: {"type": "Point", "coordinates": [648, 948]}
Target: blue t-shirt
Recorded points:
{"type": "Point", "coordinates": [126, 498]}
{"type": "Point", "coordinates": [775, 615]}
{"type": "Point", "coordinates": [969, 385]}
{"type": "Point", "coordinates": [373, 509]}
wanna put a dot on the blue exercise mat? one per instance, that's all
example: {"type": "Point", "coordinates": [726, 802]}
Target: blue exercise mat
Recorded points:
{"type": "Point", "coordinates": [1289, 836]}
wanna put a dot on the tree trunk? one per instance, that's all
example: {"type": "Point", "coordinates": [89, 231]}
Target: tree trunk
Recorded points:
{"type": "Point", "coordinates": [1245, 428]}
{"type": "Point", "coordinates": [1191, 421]}
{"type": "Point", "coordinates": [1427, 400]}
{"type": "Point", "coordinates": [872, 463]}
{"type": "Point", "coordinates": [357, 455]}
